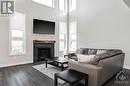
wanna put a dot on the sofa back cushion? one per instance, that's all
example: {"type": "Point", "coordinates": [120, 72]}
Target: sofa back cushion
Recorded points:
{"type": "Point", "coordinates": [107, 54]}
{"type": "Point", "coordinates": [100, 54]}
{"type": "Point", "coordinates": [80, 51]}
{"type": "Point", "coordinates": [85, 58]}
{"type": "Point", "coordinates": [100, 51]}
{"type": "Point", "coordinates": [92, 51]}
{"type": "Point", "coordinates": [86, 51]}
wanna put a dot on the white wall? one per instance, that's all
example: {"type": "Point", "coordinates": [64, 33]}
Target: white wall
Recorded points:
{"type": "Point", "coordinates": [103, 24]}
{"type": "Point", "coordinates": [32, 10]}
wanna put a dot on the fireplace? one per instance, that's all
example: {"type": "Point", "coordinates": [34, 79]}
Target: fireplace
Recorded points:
{"type": "Point", "coordinates": [42, 50]}
{"type": "Point", "coordinates": [44, 53]}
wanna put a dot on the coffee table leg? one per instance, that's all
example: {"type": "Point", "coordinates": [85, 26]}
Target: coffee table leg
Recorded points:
{"type": "Point", "coordinates": [46, 63]}
{"type": "Point", "coordinates": [86, 81]}
{"type": "Point", "coordinates": [71, 84]}
{"type": "Point", "coordinates": [62, 67]}
{"type": "Point", "coordinates": [55, 80]}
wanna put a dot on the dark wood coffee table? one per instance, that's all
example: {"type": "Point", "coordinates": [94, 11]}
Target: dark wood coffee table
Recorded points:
{"type": "Point", "coordinates": [58, 62]}
{"type": "Point", "coordinates": [72, 77]}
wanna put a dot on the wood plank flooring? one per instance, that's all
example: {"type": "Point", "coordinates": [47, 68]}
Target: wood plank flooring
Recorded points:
{"type": "Point", "coordinates": [25, 75]}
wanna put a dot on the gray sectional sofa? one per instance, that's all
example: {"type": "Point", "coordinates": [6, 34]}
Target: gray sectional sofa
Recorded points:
{"type": "Point", "coordinates": [106, 63]}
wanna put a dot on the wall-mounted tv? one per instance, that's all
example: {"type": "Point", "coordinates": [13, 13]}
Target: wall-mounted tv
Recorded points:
{"type": "Point", "coordinates": [43, 27]}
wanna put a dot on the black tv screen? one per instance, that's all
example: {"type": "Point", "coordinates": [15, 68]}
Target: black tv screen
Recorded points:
{"type": "Point", "coordinates": [43, 27]}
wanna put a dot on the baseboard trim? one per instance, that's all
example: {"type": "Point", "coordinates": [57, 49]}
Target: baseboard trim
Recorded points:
{"type": "Point", "coordinates": [11, 65]}
{"type": "Point", "coordinates": [127, 67]}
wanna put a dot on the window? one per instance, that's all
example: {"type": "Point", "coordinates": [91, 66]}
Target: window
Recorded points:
{"type": "Point", "coordinates": [73, 5]}
{"type": "Point", "coordinates": [49, 3]}
{"type": "Point", "coordinates": [62, 36]}
{"type": "Point", "coordinates": [62, 5]}
{"type": "Point", "coordinates": [73, 37]}
{"type": "Point", "coordinates": [17, 34]}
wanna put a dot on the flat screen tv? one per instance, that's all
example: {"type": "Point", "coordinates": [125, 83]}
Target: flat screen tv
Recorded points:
{"type": "Point", "coordinates": [43, 27]}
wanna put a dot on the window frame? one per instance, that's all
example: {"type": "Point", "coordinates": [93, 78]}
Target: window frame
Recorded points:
{"type": "Point", "coordinates": [12, 38]}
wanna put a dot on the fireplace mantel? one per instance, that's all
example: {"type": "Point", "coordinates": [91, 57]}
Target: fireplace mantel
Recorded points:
{"type": "Point", "coordinates": [44, 41]}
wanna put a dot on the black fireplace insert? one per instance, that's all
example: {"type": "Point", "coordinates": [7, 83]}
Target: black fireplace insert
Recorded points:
{"type": "Point", "coordinates": [42, 50]}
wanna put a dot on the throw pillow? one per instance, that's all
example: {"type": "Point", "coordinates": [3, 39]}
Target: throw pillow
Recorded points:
{"type": "Point", "coordinates": [100, 51]}
{"type": "Point", "coordinates": [92, 52]}
{"type": "Point", "coordinates": [85, 58]}
{"type": "Point", "coordinates": [80, 51]}
{"type": "Point", "coordinates": [86, 51]}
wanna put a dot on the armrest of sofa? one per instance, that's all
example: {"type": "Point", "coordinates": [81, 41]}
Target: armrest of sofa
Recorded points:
{"type": "Point", "coordinates": [92, 70]}
{"type": "Point", "coordinates": [113, 63]}
{"type": "Point", "coordinates": [84, 66]}
{"type": "Point", "coordinates": [111, 66]}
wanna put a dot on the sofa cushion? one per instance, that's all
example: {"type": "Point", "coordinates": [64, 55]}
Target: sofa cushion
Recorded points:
{"type": "Point", "coordinates": [114, 52]}
{"type": "Point", "coordinates": [100, 54]}
{"type": "Point", "coordinates": [74, 58]}
{"type": "Point", "coordinates": [85, 58]}
{"type": "Point", "coordinates": [85, 51]}
{"type": "Point", "coordinates": [80, 51]}
{"type": "Point", "coordinates": [92, 51]}
{"type": "Point", "coordinates": [100, 51]}
{"type": "Point", "coordinates": [107, 54]}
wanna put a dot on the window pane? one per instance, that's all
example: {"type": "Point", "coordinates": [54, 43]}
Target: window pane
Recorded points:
{"type": "Point", "coordinates": [62, 36]}
{"type": "Point", "coordinates": [62, 5]}
{"type": "Point", "coordinates": [62, 27]}
{"type": "Point", "coordinates": [73, 46]}
{"type": "Point", "coordinates": [17, 47]}
{"type": "Point", "coordinates": [73, 36]}
{"type": "Point", "coordinates": [17, 33]}
{"type": "Point", "coordinates": [73, 5]}
{"type": "Point", "coordinates": [62, 46]}
{"type": "Point", "coordinates": [45, 2]}
{"type": "Point", "coordinates": [16, 21]}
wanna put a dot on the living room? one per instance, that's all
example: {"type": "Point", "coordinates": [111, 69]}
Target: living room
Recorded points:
{"type": "Point", "coordinates": [96, 24]}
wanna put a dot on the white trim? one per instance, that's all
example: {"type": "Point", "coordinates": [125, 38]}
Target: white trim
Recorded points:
{"type": "Point", "coordinates": [20, 63]}
{"type": "Point", "coordinates": [126, 67]}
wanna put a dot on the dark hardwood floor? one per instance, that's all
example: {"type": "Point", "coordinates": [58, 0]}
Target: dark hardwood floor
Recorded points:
{"type": "Point", "coordinates": [25, 75]}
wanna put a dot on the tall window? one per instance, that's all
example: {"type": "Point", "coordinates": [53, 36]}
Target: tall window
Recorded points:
{"type": "Point", "coordinates": [62, 5]}
{"type": "Point", "coordinates": [49, 3]}
{"type": "Point", "coordinates": [73, 36]}
{"type": "Point", "coordinates": [17, 34]}
{"type": "Point", "coordinates": [62, 36]}
{"type": "Point", "coordinates": [72, 5]}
